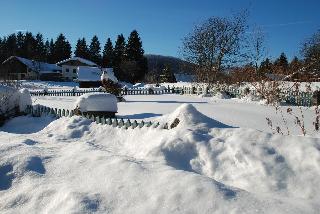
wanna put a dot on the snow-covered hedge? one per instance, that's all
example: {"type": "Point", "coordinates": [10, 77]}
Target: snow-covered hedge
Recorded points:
{"type": "Point", "coordinates": [97, 102]}
{"type": "Point", "coordinates": [13, 101]}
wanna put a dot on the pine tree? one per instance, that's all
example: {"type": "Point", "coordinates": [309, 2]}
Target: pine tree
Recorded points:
{"type": "Point", "coordinates": [167, 75]}
{"type": "Point", "coordinates": [47, 50]}
{"type": "Point", "coordinates": [265, 66]}
{"type": "Point", "coordinates": [40, 49]}
{"type": "Point", "coordinates": [119, 56]}
{"type": "Point", "coordinates": [94, 50]}
{"type": "Point", "coordinates": [2, 50]}
{"type": "Point", "coordinates": [295, 65]}
{"type": "Point", "coordinates": [134, 50]}
{"type": "Point", "coordinates": [107, 57]}
{"type": "Point", "coordinates": [82, 49]}
{"type": "Point", "coordinates": [11, 46]}
{"type": "Point", "coordinates": [29, 46]}
{"type": "Point", "coordinates": [119, 50]}
{"type": "Point", "coordinates": [50, 51]}
{"type": "Point", "coordinates": [281, 64]}
{"type": "Point", "coordinates": [20, 42]}
{"type": "Point", "coordinates": [62, 49]}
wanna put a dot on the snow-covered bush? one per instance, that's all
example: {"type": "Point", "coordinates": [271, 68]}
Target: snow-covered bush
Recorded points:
{"type": "Point", "coordinates": [110, 83]}
{"type": "Point", "coordinates": [96, 102]}
{"type": "Point", "coordinates": [221, 95]}
{"type": "Point", "coordinates": [24, 99]}
{"type": "Point", "coordinates": [13, 102]}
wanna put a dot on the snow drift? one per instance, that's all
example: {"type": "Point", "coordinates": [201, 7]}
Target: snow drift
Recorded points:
{"type": "Point", "coordinates": [201, 166]}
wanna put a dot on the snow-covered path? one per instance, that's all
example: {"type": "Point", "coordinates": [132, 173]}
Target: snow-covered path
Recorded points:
{"type": "Point", "coordinates": [233, 112]}
{"type": "Point", "coordinates": [75, 166]}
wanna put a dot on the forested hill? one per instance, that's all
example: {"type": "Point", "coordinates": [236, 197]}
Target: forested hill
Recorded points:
{"type": "Point", "coordinates": [178, 66]}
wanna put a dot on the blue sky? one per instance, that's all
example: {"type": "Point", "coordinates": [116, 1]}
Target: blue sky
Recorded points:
{"type": "Point", "coordinates": [161, 24]}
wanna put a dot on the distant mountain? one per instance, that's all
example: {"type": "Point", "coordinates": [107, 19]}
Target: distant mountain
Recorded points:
{"type": "Point", "coordinates": [178, 66]}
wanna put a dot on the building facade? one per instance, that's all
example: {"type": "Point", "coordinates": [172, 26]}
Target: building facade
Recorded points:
{"type": "Point", "coordinates": [19, 68]}
{"type": "Point", "coordinates": [70, 66]}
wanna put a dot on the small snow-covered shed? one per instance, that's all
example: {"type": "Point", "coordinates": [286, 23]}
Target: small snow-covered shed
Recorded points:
{"type": "Point", "coordinates": [91, 76]}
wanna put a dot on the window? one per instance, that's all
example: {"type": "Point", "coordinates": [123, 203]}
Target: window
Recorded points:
{"type": "Point", "coordinates": [67, 69]}
{"type": "Point", "coordinates": [74, 71]}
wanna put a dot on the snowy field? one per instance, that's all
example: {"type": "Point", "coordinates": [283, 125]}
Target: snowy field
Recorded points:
{"type": "Point", "coordinates": [233, 112]}
{"type": "Point", "coordinates": [201, 166]}
{"type": "Point", "coordinates": [38, 85]}
{"type": "Point", "coordinates": [221, 158]}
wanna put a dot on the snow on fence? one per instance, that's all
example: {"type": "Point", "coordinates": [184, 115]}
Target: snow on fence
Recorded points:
{"type": "Point", "coordinates": [291, 98]}
{"type": "Point", "coordinates": [81, 92]}
{"type": "Point", "coordinates": [39, 110]}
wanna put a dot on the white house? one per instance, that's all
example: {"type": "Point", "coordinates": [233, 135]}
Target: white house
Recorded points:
{"type": "Point", "coordinates": [70, 66]}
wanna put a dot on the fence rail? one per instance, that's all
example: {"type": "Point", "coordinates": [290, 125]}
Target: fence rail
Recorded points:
{"type": "Point", "coordinates": [289, 97]}
{"type": "Point", "coordinates": [39, 110]}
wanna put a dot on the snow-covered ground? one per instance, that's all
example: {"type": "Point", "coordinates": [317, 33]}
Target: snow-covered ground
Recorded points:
{"type": "Point", "coordinates": [234, 112]}
{"type": "Point", "coordinates": [201, 166]}
{"type": "Point", "coordinates": [221, 158]}
{"type": "Point", "coordinates": [38, 85]}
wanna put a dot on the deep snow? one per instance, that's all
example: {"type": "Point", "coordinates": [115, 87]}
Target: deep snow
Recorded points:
{"type": "Point", "coordinates": [201, 166]}
{"type": "Point", "coordinates": [233, 112]}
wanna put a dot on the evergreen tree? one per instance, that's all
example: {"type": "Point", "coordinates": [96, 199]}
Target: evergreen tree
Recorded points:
{"type": "Point", "coordinates": [62, 49]}
{"type": "Point", "coordinates": [107, 57]}
{"type": "Point", "coordinates": [40, 49]}
{"type": "Point", "coordinates": [20, 44]}
{"type": "Point", "coordinates": [295, 65]}
{"type": "Point", "coordinates": [167, 75]}
{"type": "Point", "coordinates": [265, 66]}
{"type": "Point", "coordinates": [29, 46]}
{"type": "Point", "coordinates": [94, 50]}
{"type": "Point", "coordinates": [134, 50]}
{"type": "Point", "coordinates": [50, 51]}
{"type": "Point", "coordinates": [82, 49]}
{"type": "Point", "coordinates": [2, 50]}
{"type": "Point", "coordinates": [119, 56]}
{"type": "Point", "coordinates": [281, 64]}
{"type": "Point", "coordinates": [10, 46]}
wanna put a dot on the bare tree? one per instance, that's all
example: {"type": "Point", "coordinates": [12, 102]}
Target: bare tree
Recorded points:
{"type": "Point", "coordinates": [215, 44]}
{"type": "Point", "coordinates": [257, 49]}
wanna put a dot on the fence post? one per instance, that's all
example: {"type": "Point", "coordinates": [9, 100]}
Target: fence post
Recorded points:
{"type": "Point", "coordinates": [128, 123]}
{"type": "Point", "coordinates": [134, 124]}
{"type": "Point", "coordinates": [115, 122]}
{"type": "Point", "coordinates": [141, 124]}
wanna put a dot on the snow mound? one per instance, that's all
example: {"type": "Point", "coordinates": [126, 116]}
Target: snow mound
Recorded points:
{"type": "Point", "coordinates": [188, 116]}
{"type": "Point", "coordinates": [97, 102]}
{"type": "Point", "coordinates": [221, 95]}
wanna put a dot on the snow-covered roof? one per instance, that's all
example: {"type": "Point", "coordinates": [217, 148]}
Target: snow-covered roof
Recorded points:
{"type": "Point", "coordinates": [42, 67]}
{"type": "Point", "coordinates": [85, 61]}
{"type": "Point", "coordinates": [89, 74]}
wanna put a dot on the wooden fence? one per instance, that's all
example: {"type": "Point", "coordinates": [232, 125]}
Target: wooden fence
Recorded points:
{"type": "Point", "coordinates": [290, 98]}
{"type": "Point", "coordinates": [38, 111]}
